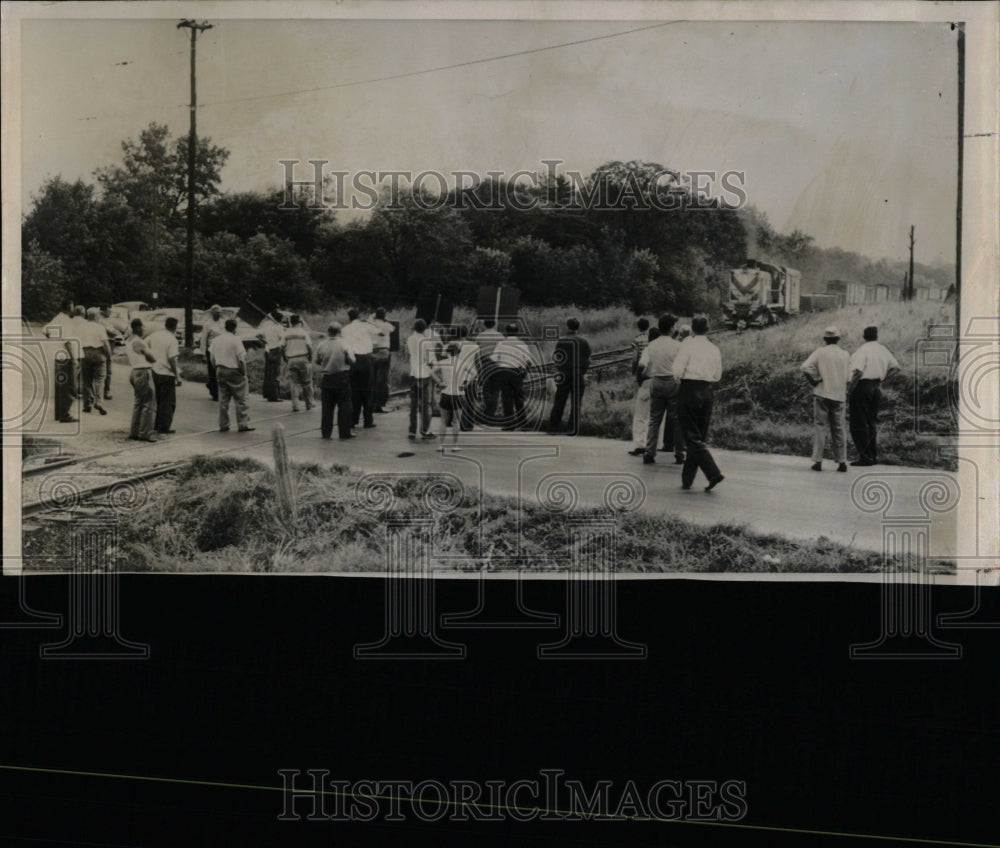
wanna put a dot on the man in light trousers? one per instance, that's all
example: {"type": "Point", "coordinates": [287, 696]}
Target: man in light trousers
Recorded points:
{"type": "Point", "coordinates": [826, 369]}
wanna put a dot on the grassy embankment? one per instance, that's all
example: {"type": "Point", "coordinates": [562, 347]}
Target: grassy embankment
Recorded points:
{"type": "Point", "coordinates": [219, 515]}
{"type": "Point", "coordinates": [762, 403]}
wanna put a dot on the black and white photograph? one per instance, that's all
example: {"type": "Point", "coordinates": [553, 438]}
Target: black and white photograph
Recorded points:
{"type": "Point", "coordinates": [508, 314]}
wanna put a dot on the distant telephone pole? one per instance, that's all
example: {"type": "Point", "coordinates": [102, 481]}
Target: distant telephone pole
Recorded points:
{"type": "Point", "coordinates": [195, 28]}
{"type": "Point", "coordinates": [909, 295]}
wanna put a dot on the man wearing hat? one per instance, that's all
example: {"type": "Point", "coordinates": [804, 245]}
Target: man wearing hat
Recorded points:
{"type": "Point", "coordinates": [826, 369]}
{"type": "Point", "coordinates": [214, 326]}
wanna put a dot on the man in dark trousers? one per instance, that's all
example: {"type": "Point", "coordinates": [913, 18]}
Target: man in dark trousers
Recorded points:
{"type": "Point", "coordinates": [334, 359]}
{"type": "Point", "coordinates": [357, 335]}
{"type": "Point", "coordinates": [870, 365]}
{"type": "Point", "coordinates": [66, 361]}
{"type": "Point", "coordinates": [571, 359]}
{"type": "Point", "coordinates": [697, 365]}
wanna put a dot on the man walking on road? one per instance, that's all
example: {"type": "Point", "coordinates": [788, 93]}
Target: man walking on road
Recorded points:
{"type": "Point", "coordinates": [96, 353]}
{"type": "Point", "coordinates": [141, 358]}
{"type": "Point", "coordinates": [298, 353]}
{"type": "Point", "coordinates": [230, 360]}
{"type": "Point", "coordinates": [334, 359]}
{"type": "Point", "coordinates": [421, 350]}
{"type": "Point", "coordinates": [357, 335]}
{"type": "Point", "coordinates": [870, 365]}
{"type": "Point", "coordinates": [65, 363]}
{"type": "Point", "coordinates": [571, 359]}
{"type": "Point", "coordinates": [826, 370]}
{"type": "Point", "coordinates": [381, 359]}
{"type": "Point", "coordinates": [697, 365]}
{"type": "Point", "coordinates": [214, 326]}
{"type": "Point", "coordinates": [166, 374]}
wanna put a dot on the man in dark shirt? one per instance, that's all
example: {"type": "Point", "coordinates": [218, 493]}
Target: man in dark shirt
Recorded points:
{"type": "Point", "coordinates": [571, 359]}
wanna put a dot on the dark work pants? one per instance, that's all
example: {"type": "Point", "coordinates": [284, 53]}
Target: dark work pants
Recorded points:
{"type": "Point", "coordinates": [865, 401]}
{"type": "Point", "coordinates": [107, 380]}
{"type": "Point", "coordinates": [166, 401]}
{"type": "Point", "coordinates": [663, 393]}
{"type": "Point", "coordinates": [272, 371]}
{"type": "Point", "coordinates": [335, 392]}
{"type": "Point", "coordinates": [511, 385]}
{"type": "Point", "coordinates": [361, 387]}
{"type": "Point", "coordinates": [380, 378]}
{"type": "Point", "coordinates": [213, 381]}
{"type": "Point", "coordinates": [65, 388]}
{"type": "Point", "coordinates": [568, 387]}
{"type": "Point", "coordinates": [694, 409]}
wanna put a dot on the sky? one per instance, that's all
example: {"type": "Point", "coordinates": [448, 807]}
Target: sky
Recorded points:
{"type": "Point", "coordinates": [846, 131]}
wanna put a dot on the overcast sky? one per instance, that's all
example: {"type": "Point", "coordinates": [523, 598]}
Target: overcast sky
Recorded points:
{"type": "Point", "coordinates": [844, 130]}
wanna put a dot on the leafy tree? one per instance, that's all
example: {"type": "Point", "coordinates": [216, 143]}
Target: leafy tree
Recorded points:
{"type": "Point", "coordinates": [43, 284]}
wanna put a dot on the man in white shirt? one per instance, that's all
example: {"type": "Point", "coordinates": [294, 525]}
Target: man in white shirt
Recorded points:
{"type": "Point", "coordinates": [468, 371]}
{"type": "Point", "coordinates": [657, 364]}
{"type": "Point", "coordinates": [166, 373]}
{"type": "Point", "coordinates": [512, 357]}
{"type": "Point", "coordinates": [870, 365]}
{"type": "Point", "coordinates": [826, 370]}
{"type": "Point", "coordinates": [697, 365]}
{"type": "Point", "coordinates": [488, 339]}
{"type": "Point", "coordinates": [65, 379]}
{"type": "Point", "coordinates": [230, 359]}
{"type": "Point", "coordinates": [141, 359]}
{"type": "Point", "coordinates": [357, 335]}
{"type": "Point", "coordinates": [96, 351]}
{"type": "Point", "coordinates": [380, 359]}
{"type": "Point", "coordinates": [421, 351]}
{"type": "Point", "coordinates": [214, 326]}
{"type": "Point", "coordinates": [272, 332]}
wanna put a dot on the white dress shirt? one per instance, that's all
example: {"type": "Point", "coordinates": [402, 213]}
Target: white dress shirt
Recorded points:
{"type": "Point", "coordinates": [829, 364]}
{"type": "Point", "coordinates": [873, 360]}
{"type": "Point", "coordinates": [358, 337]}
{"type": "Point", "coordinates": [227, 351]}
{"type": "Point", "coordinates": [698, 359]}
{"type": "Point", "coordinates": [421, 350]}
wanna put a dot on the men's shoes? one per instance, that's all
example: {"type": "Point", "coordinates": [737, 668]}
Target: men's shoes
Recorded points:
{"type": "Point", "coordinates": [69, 419]}
{"type": "Point", "coordinates": [246, 429]}
{"type": "Point", "coordinates": [86, 409]}
{"type": "Point", "coordinates": [678, 460]}
{"type": "Point", "coordinates": [167, 432]}
{"type": "Point", "coordinates": [864, 463]}
{"type": "Point", "coordinates": [100, 409]}
{"type": "Point", "coordinates": [107, 396]}
{"type": "Point", "coordinates": [636, 452]}
{"type": "Point", "coordinates": [686, 486]}
{"type": "Point", "coordinates": [428, 436]}
{"type": "Point", "coordinates": [380, 409]}
{"type": "Point", "coordinates": [369, 426]}
{"type": "Point", "coordinates": [295, 409]}
{"type": "Point", "coordinates": [842, 467]}
{"type": "Point", "coordinates": [648, 460]}
{"type": "Point", "coordinates": [223, 429]}
{"type": "Point", "coordinates": [817, 466]}
{"type": "Point", "coordinates": [412, 437]}
{"type": "Point", "coordinates": [344, 438]}
{"type": "Point", "coordinates": [714, 483]}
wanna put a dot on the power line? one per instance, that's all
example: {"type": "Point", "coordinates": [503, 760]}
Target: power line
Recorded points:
{"type": "Point", "coordinates": [442, 67]}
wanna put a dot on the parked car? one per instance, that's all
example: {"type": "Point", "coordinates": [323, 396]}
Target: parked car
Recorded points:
{"type": "Point", "coordinates": [133, 306]}
{"type": "Point", "coordinates": [156, 320]}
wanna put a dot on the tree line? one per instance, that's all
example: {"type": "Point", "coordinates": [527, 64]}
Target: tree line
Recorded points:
{"type": "Point", "coordinates": [121, 236]}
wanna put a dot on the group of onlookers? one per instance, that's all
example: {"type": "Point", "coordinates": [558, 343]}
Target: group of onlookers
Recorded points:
{"type": "Point", "coordinates": [675, 367]}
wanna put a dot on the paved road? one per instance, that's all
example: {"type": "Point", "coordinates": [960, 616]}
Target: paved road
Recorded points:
{"type": "Point", "coordinates": [770, 493]}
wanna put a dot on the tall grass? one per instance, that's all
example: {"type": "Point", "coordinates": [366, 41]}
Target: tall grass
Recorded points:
{"type": "Point", "coordinates": [218, 515]}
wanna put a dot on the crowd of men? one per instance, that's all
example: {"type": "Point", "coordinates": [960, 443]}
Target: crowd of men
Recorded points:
{"type": "Point", "coordinates": [463, 377]}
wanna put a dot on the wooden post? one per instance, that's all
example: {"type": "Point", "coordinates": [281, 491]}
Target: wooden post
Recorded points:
{"type": "Point", "coordinates": [910, 293]}
{"type": "Point", "coordinates": [286, 486]}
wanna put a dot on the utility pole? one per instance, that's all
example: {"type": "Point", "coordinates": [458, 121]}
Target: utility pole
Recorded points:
{"type": "Point", "coordinates": [910, 293]}
{"type": "Point", "coordinates": [195, 28]}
